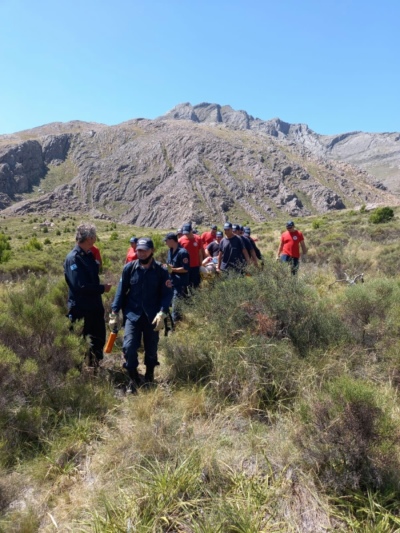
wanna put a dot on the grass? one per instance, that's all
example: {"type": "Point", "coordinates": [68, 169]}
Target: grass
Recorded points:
{"type": "Point", "coordinates": [275, 395]}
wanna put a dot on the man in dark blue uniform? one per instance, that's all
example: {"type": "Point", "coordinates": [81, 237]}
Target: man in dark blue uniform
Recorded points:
{"type": "Point", "coordinates": [247, 231]}
{"type": "Point", "coordinates": [144, 294]}
{"type": "Point", "coordinates": [178, 268]}
{"type": "Point", "coordinates": [232, 252]}
{"type": "Point", "coordinates": [248, 244]}
{"type": "Point", "coordinates": [84, 295]}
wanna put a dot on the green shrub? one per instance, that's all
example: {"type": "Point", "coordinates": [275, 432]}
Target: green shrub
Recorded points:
{"type": "Point", "coordinates": [114, 236]}
{"type": "Point", "coordinates": [238, 349]}
{"type": "Point", "coordinates": [47, 241]}
{"type": "Point", "coordinates": [366, 306]}
{"type": "Point", "coordinates": [381, 214]}
{"type": "Point", "coordinates": [158, 241]}
{"type": "Point", "coordinates": [33, 245]}
{"type": "Point", "coordinates": [5, 248]}
{"type": "Point", "coordinates": [40, 389]}
{"type": "Point", "coordinates": [316, 224]}
{"type": "Point", "coordinates": [348, 440]}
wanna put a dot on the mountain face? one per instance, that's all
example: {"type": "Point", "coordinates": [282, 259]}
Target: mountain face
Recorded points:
{"type": "Point", "coordinates": [377, 153]}
{"type": "Point", "coordinates": [205, 163]}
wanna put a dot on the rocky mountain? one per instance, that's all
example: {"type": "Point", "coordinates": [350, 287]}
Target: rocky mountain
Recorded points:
{"type": "Point", "coordinates": [377, 153]}
{"type": "Point", "coordinates": [202, 163]}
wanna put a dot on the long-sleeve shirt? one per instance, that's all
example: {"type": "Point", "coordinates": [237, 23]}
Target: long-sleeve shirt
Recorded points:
{"type": "Point", "coordinates": [143, 291]}
{"type": "Point", "coordinates": [82, 276]}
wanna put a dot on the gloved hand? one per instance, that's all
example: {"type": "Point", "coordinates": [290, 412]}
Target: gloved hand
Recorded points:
{"type": "Point", "coordinates": [113, 322]}
{"type": "Point", "coordinates": [159, 320]}
{"type": "Point", "coordinates": [169, 268]}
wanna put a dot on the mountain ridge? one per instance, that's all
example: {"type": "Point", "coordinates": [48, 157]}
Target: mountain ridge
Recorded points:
{"type": "Point", "coordinates": [217, 164]}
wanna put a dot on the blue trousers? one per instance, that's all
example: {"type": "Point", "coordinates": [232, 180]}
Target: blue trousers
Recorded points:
{"type": "Point", "coordinates": [194, 277]}
{"type": "Point", "coordinates": [179, 293]}
{"type": "Point", "coordinates": [294, 262]}
{"type": "Point", "coordinates": [94, 328]}
{"type": "Point", "coordinates": [134, 332]}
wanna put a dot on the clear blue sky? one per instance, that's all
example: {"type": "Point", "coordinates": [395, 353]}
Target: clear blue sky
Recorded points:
{"type": "Point", "coordinates": [332, 64]}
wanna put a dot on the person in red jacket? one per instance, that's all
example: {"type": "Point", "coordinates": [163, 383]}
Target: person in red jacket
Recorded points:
{"type": "Point", "coordinates": [131, 254]}
{"type": "Point", "coordinates": [289, 248]}
{"type": "Point", "coordinates": [209, 236]}
{"type": "Point", "coordinates": [193, 244]}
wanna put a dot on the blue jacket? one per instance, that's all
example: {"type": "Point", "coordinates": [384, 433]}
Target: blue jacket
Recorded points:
{"type": "Point", "coordinates": [143, 290]}
{"type": "Point", "coordinates": [179, 258]}
{"type": "Point", "coordinates": [82, 276]}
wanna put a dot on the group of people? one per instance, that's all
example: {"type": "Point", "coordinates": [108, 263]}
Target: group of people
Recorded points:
{"type": "Point", "coordinates": [147, 289]}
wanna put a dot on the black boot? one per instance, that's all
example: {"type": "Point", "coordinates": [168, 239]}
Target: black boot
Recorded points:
{"type": "Point", "coordinates": [135, 381]}
{"type": "Point", "coordinates": [149, 376]}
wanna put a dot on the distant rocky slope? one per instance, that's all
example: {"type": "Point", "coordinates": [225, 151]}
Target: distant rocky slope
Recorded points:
{"type": "Point", "coordinates": [202, 163]}
{"type": "Point", "coordinates": [377, 153]}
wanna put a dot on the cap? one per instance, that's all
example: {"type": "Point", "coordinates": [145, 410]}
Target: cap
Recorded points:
{"type": "Point", "coordinates": [186, 228]}
{"type": "Point", "coordinates": [247, 230]}
{"type": "Point", "coordinates": [171, 235]}
{"type": "Point", "coordinates": [195, 231]}
{"type": "Point", "coordinates": [220, 234]}
{"type": "Point", "coordinates": [144, 243]}
{"type": "Point", "coordinates": [214, 227]}
{"type": "Point", "coordinates": [227, 225]}
{"type": "Point", "coordinates": [179, 231]}
{"type": "Point", "coordinates": [236, 227]}
{"type": "Point", "coordinates": [290, 224]}
{"type": "Point", "coordinates": [133, 239]}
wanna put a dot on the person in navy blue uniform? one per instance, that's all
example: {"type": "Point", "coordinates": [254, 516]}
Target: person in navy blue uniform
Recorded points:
{"type": "Point", "coordinates": [232, 253]}
{"type": "Point", "coordinates": [247, 231]}
{"type": "Point", "coordinates": [144, 295]}
{"type": "Point", "coordinates": [84, 291]}
{"type": "Point", "coordinates": [178, 268]}
{"type": "Point", "coordinates": [248, 244]}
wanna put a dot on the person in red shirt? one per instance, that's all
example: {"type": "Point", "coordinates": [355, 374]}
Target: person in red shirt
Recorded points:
{"type": "Point", "coordinates": [193, 244]}
{"type": "Point", "coordinates": [131, 254]}
{"type": "Point", "coordinates": [209, 236]}
{"type": "Point", "coordinates": [97, 256]}
{"type": "Point", "coordinates": [289, 247]}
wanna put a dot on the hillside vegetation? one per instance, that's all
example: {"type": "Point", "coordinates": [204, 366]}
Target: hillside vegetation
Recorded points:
{"type": "Point", "coordinates": [276, 406]}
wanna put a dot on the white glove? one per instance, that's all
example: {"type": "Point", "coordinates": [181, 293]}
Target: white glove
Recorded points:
{"type": "Point", "coordinates": [113, 322]}
{"type": "Point", "coordinates": [159, 320]}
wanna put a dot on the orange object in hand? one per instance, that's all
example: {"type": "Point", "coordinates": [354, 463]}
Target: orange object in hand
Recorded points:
{"type": "Point", "coordinates": [110, 342]}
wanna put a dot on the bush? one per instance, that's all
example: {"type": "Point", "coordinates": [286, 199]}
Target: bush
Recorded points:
{"type": "Point", "coordinates": [366, 306]}
{"type": "Point", "coordinates": [381, 214]}
{"type": "Point", "coordinates": [5, 248]}
{"type": "Point", "coordinates": [33, 245]}
{"type": "Point", "coordinates": [237, 349]}
{"type": "Point", "coordinates": [114, 236]}
{"type": "Point", "coordinates": [316, 224]}
{"type": "Point", "coordinates": [348, 440]}
{"type": "Point", "coordinates": [40, 388]}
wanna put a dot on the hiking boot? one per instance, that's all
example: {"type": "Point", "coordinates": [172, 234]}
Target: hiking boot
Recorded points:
{"type": "Point", "coordinates": [149, 376]}
{"type": "Point", "coordinates": [135, 381]}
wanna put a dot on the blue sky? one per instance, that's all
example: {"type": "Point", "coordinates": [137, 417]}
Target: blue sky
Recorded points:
{"type": "Point", "coordinates": [332, 64]}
